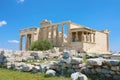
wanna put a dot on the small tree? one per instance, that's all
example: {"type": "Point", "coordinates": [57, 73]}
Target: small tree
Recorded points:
{"type": "Point", "coordinates": [41, 45]}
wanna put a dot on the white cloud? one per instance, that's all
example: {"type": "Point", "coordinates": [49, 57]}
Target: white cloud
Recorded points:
{"type": "Point", "coordinates": [20, 1]}
{"type": "Point", "coordinates": [13, 41]}
{"type": "Point", "coordinates": [2, 23]}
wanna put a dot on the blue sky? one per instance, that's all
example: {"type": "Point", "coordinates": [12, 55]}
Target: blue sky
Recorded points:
{"type": "Point", "coordinates": [19, 14]}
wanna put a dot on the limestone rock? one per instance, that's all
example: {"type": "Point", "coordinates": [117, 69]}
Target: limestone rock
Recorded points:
{"type": "Point", "coordinates": [66, 54]}
{"type": "Point", "coordinates": [76, 60]}
{"type": "Point", "coordinates": [116, 77]}
{"type": "Point", "coordinates": [35, 69]}
{"type": "Point", "coordinates": [27, 67]}
{"type": "Point", "coordinates": [78, 76]}
{"type": "Point", "coordinates": [105, 71]}
{"type": "Point", "coordinates": [24, 59]}
{"type": "Point", "coordinates": [115, 68]}
{"type": "Point", "coordinates": [74, 76]}
{"type": "Point", "coordinates": [95, 62]}
{"type": "Point", "coordinates": [50, 73]}
{"type": "Point", "coordinates": [82, 77]}
{"type": "Point", "coordinates": [112, 62]}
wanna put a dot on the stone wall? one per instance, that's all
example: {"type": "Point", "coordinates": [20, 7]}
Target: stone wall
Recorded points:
{"type": "Point", "coordinates": [94, 67]}
{"type": "Point", "coordinates": [104, 69]}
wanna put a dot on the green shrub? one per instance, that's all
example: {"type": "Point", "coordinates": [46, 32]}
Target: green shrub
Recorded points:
{"type": "Point", "coordinates": [41, 45]}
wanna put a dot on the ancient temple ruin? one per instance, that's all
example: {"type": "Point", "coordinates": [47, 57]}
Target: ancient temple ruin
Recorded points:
{"type": "Point", "coordinates": [68, 35]}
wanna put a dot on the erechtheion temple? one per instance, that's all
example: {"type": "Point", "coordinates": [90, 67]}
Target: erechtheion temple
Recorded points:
{"type": "Point", "coordinates": [68, 35]}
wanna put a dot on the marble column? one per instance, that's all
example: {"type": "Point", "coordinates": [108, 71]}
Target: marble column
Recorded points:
{"type": "Point", "coordinates": [90, 38]}
{"type": "Point", "coordinates": [69, 34]}
{"type": "Point", "coordinates": [29, 40]}
{"type": "Point", "coordinates": [87, 37]}
{"type": "Point", "coordinates": [62, 34]}
{"type": "Point", "coordinates": [47, 32]}
{"type": "Point", "coordinates": [41, 34]}
{"type": "Point", "coordinates": [82, 37]}
{"type": "Point", "coordinates": [94, 38]}
{"type": "Point", "coordinates": [26, 43]}
{"type": "Point", "coordinates": [107, 41]}
{"type": "Point", "coordinates": [76, 36]}
{"type": "Point", "coordinates": [52, 34]}
{"type": "Point", "coordinates": [21, 42]}
{"type": "Point", "coordinates": [57, 35]}
{"type": "Point", "coordinates": [32, 37]}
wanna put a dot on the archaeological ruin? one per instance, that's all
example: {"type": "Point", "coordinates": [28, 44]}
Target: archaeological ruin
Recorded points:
{"type": "Point", "coordinates": [68, 35]}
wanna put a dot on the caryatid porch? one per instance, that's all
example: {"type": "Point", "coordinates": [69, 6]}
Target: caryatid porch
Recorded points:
{"type": "Point", "coordinates": [83, 35]}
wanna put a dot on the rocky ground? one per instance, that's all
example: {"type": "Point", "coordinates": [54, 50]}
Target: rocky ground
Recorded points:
{"type": "Point", "coordinates": [54, 63]}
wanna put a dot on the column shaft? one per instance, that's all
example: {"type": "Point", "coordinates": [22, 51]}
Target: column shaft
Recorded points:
{"type": "Point", "coordinates": [87, 37]}
{"type": "Point", "coordinates": [82, 37]}
{"type": "Point", "coordinates": [32, 37]}
{"type": "Point", "coordinates": [77, 36]}
{"type": "Point", "coordinates": [20, 42]}
{"type": "Point", "coordinates": [69, 34]}
{"type": "Point", "coordinates": [47, 32]}
{"type": "Point", "coordinates": [57, 35]}
{"type": "Point", "coordinates": [52, 34]}
{"type": "Point", "coordinates": [62, 34]}
{"type": "Point", "coordinates": [94, 38]}
{"type": "Point", "coordinates": [107, 41]}
{"type": "Point", "coordinates": [26, 43]}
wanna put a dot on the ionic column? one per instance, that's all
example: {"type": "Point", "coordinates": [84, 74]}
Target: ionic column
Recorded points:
{"type": "Point", "coordinates": [62, 34]}
{"type": "Point", "coordinates": [57, 35]}
{"type": "Point", "coordinates": [94, 38]}
{"type": "Point", "coordinates": [107, 41]}
{"type": "Point", "coordinates": [41, 34]}
{"type": "Point", "coordinates": [20, 42]}
{"type": "Point", "coordinates": [69, 33]}
{"type": "Point", "coordinates": [82, 37]}
{"type": "Point", "coordinates": [32, 37]}
{"type": "Point", "coordinates": [87, 36]}
{"type": "Point", "coordinates": [52, 34]}
{"type": "Point", "coordinates": [90, 38]}
{"type": "Point", "coordinates": [47, 32]}
{"type": "Point", "coordinates": [29, 40]}
{"type": "Point", "coordinates": [77, 36]}
{"type": "Point", "coordinates": [26, 42]}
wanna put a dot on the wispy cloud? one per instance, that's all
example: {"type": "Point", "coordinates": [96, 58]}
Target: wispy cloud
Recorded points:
{"type": "Point", "coordinates": [20, 1]}
{"type": "Point", "coordinates": [2, 23]}
{"type": "Point", "coordinates": [13, 41]}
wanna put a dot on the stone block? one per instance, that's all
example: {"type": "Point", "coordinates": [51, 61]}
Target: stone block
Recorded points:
{"type": "Point", "coordinates": [50, 73]}
{"type": "Point", "coordinates": [78, 76]}
{"type": "Point", "coordinates": [105, 71]}
{"type": "Point", "coordinates": [115, 68]}
{"type": "Point", "coordinates": [75, 60]}
{"type": "Point", "coordinates": [98, 70]}
{"type": "Point", "coordinates": [74, 76]}
{"type": "Point", "coordinates": [111, 62]}
{"type": "Point", "coordinates": [27, 67]}
{"type": "Point", "coordinates": [82, 77]}
{"type": "Point", "coordinates": [95, 62]}
{"type": "Point", "coordinates": [116, 77]}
